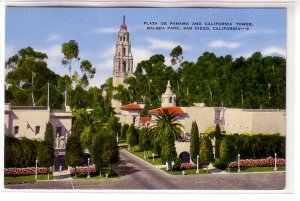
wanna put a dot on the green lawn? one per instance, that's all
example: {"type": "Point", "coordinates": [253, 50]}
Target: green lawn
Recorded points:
{"type": "Point", "coordinates": [28, 178]}
{"type": "Point", "coordinates": [140, 154]}
{"type": "Point", "coordinates": [257, 169]}
{"type": "Point", "coordinates": [96, 176]}
{"type": "Point", "coordinates": [187, 172]}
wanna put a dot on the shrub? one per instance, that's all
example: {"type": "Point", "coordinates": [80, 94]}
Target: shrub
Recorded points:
{"type": "Point", "coordinates": [186, 166]}
{"type": "Point", "coordinates": [24, 171]}
{"type": "Point", "coordinates": [83, 170]}
{"type": "Point", "coordinates": [206, 150]}
{"type": "Point", "coordinates": [220, 164]}
{"type": "Point", "coordinates": [227, 150]}
{"type": "Point", "coordinates": [177, 164]}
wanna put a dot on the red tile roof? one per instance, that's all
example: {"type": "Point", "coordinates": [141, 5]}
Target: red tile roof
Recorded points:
{"type": "Point", "coordinates": [131, 107]}
{"type": "Point", "coordinates": [144, 120]}
{"type": "Point", "coordinates": [173, 110]}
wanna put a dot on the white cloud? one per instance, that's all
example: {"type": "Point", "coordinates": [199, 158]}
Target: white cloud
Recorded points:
{"type": "Point", "coordinates": [165, 44]}
{"type": "Point", "coordinates": [54, 58]}
{"type": "Point", "coordinates": [53, 37]}
{"type": "Point", "coordinates": [104, 30]}
{"type": "Point", "coordinates": [274, 50]}
{"type": "Point", "coordinates": [245, 55]}
{"type": "Point", "coordinates": [140, 54]}
{"type": "Point", "coordinates": [224, 44]}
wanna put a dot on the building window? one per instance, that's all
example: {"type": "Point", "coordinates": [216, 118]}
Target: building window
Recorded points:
{"type": "Point", "coordinates": [124, 50]}
{"type": "Point", "coordinates": [16, 130]}
{"type": "Point", "coordinates": [58, 131]}
{"type": "Point", "coordinates": [37, 130]}
{"type": "Point", "coordinates": [134, 118]}
{"type": "Point", "coordinates": [170, 100]}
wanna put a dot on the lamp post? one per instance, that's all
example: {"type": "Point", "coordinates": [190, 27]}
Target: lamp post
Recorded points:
{"type": "Point", "coordinates": [197, 164]}
{"type": "Point", "coordinates": [275, 168]}
{"type": "Point", "coordinates": [117, 137]}
{"type": "Point", "coordinates": [36, 161]}
{"type": "Point", "coordinates": [153, 157]}
{"type": "Point", "coordinates": [239, 163]}
{"type": "Point", "coordinates": [88, 176]}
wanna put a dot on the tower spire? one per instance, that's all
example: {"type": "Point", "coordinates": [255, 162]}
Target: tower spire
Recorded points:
{"type": "Point", "coordinates": [123, 19]}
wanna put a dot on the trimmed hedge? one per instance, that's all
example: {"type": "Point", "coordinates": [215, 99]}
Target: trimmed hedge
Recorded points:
{"type": "Point", "coordinates": [254, 147]}
{"type": "Point", "coordinates": [19, 152]}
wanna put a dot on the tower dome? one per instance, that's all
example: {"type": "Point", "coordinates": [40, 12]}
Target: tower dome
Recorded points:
{"type": "Point", "coordinates": [123, 26]}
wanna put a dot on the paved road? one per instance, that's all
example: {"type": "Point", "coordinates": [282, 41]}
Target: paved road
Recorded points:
{"type": "Point", "coordinates": [136, 174]}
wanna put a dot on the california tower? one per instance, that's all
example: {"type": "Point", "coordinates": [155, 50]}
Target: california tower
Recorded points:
{"type": "Point", "coordinates": [123, 62]}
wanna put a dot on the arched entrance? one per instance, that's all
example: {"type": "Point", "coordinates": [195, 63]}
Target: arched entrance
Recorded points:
{"type": "Point", "coordinates": [185, 157]}
{"type": "Point", "coordinates": [60, 161]}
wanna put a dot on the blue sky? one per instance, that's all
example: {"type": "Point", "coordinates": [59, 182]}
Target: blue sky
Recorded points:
{"type": "Point", "coordinates": [95, 30]}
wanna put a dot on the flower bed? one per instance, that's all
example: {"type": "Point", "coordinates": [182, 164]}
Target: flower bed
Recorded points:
{"type": "Point", "coordinates": [24, 171]}
{"type": "Point", "coordinates": [258, 162]}
{"type": "Point", "coordinates": [186, 166]}
{"type": "Point", "coordinates": [83, 170]}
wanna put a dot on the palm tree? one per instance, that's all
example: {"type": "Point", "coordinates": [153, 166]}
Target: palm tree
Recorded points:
{"type": "Point", "coordinates": [166, 126]}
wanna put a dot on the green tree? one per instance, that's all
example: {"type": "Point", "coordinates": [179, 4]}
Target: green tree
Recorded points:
{"type": "Point", "coordinates": [168, 149]}
{"type": "Point", "coordinates": [166, 123]}
{"type": "Point", "coordinates": [104, 149]}
{"type": "Point", "coordinates": [226, 150]}
{"type": "Point", "coordinates": [132, 136]}
{"type": "Point", "coordinates": [13, 155]}
{"type": "Point", "coordinates": [86, 137]}
{"type": "Point", "coordinates": [194, 142]}
{"type": "Point", "coordinates": [74, 155]}
{"type": "Point", "coordinates": [97, 150]}
{"type": "Point", "coordinates": [28, 77]}
{"type": "Point", "coordinates": [114, 125]}
{"type": "Point", "coordinates": [29, 151]}
{"type": "Point", "coordinates": [110, 151]}
{"type": "Point", "coordinates": [49, 134]}
{"type": "Point", "coordinates": [206, 150]}
{"type": "Point", "coordinates": [70, 51]}
{"type": "Point", "coordinates": [217, 138]}
{"type": "Point", "coordinates": [45, 155]}
{"type": "Point", "coordinates": [124, 130]}
{"type": "Point", "coordinates": [144, 141]}
{"type": "Point", "coordinates": [176, 55]}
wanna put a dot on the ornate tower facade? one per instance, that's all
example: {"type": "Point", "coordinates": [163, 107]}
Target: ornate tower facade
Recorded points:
{"type": "Point", "coordinates": [168, 99]}
{"type": "Point", "coordinates": [123, 62]}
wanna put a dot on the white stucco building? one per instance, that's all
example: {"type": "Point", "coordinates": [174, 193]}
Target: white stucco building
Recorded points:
{"type": "Point", "coordinates": [30, 122]}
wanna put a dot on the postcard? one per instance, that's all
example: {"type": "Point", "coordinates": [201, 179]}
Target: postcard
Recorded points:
{"type": "Point", "coordinates": [141, 98]}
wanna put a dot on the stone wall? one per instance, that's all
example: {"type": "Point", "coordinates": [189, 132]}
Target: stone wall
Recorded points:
{"type": "Point", "coordinates": [204, 116]}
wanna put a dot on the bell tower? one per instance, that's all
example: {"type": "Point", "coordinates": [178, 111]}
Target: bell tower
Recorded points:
{"type": "Point", "coordinates": [123, 62]}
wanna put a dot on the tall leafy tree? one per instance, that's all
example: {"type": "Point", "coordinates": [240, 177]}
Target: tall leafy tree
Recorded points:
{"type": "Point", "coordinates": [28, 77]}
{"type": "Point", "coordinates": [194, 142]}
{"type": "Point", "coordinates": [144, 141]}
{"type": "Point", "coordinates": [49, 134]}
{"type": "Point", "coordinates": [124, 129]}
{"type": "Point", "coordinates": [45, 155]}
{"type": "Point", "coordinates": [168, 149]}
{"type": "Point", "coordinates": [132, 136]}
{"type": "Point", "coordinates": [114, 125]}
{"type": "Point", "coordinates": [206, 151]}
{"type": "Point", "coordinates": [70, 51]}
{"type": "Point", "coordinates": [166, 123]}
{"type": "Point", "coordinates": [74, 155]}
{"type": "Point", "coordinates": [12, 152]}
